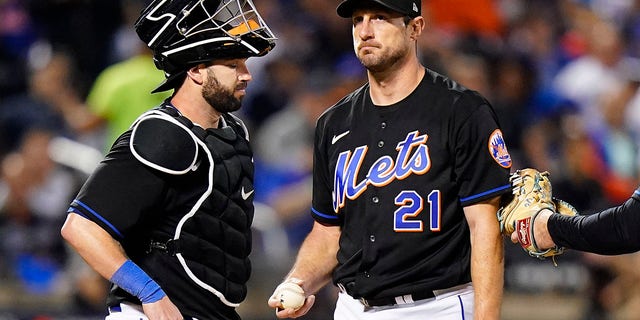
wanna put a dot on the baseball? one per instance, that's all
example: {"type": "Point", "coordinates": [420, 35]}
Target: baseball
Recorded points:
{"type": "Point", "coordinates": [291, 295]}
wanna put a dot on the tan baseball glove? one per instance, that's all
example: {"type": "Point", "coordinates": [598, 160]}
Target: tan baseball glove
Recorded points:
{"type": "Point", "coordinates": [532, 193]}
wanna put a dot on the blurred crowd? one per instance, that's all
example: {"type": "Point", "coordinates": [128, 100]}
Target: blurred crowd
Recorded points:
{"type": "Point", "coordinates": [562, 75]}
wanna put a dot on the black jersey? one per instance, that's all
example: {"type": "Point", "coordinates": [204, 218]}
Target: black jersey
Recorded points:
{"type": "Point", "coordinates": [396, 178]}
{"type": "Point", "coordinates": [188, 227]}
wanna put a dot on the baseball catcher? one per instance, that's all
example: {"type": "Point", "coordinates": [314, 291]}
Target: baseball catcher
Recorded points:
{"type": "Point", "coordinates": [532, 194]}
{"type": "Point", "coordinates": [167, 216]}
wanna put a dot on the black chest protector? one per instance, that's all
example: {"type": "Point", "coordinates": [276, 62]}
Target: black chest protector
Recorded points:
{"type": "Point", "coordinates": [209, 208]}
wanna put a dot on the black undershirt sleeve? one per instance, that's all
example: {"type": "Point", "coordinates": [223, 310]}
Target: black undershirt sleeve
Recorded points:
{"type": "Point", "coordinates": [119, 192]}
{"type": "Point", "coordinates": [612, 231]}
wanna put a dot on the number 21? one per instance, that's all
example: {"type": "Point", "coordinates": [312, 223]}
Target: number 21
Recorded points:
{"type": "Point", "coordinates": [411, 205]}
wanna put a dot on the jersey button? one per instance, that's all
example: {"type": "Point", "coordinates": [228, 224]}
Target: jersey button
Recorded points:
{"type": "Point", "coordinates": [380, 144]}
{"type": "Point", "coordinates": [367, 275]}
{"type": "Point", "coordinates": [383, 125]}
{"type": "Point", "coordinates": [375, 199]}
{"type": "Point", "coordinates": [372, 238]}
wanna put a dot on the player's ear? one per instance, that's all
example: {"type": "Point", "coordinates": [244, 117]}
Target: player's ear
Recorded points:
{"type": "Point", "coordinates": [195, 73]}
{"type": "Point", "coordinates": [416, 25]}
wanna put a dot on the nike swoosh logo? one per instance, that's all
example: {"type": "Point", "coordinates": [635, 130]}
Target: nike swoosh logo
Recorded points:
{"type": "Point", "coordinates": [338, 137]}
{"type": "Point", "coordinates": [246, 195]}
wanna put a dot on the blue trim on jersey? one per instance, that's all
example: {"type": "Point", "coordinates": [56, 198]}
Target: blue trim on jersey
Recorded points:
{"type": "Point", "coordinates": [506, 186]}
{"type": "Point", "coordinates": [326, 216]}
{"type": "Point", "coordinates": [76, 211]}
{"type": "Point", "coordinates": [95, 214]}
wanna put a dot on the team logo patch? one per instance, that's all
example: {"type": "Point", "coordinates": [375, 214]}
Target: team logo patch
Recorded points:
{"type": "Point", "coordinates": [498, 149]}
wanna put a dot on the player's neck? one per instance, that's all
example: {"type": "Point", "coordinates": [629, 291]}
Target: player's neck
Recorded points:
{"type": "Point", "coordinates": [396, 83]}
{"type": "Point", "coordinates": [196, 109]}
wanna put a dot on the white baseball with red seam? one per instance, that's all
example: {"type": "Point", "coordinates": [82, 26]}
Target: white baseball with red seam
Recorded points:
{"type": "Point", "coordinates": [291, 295]}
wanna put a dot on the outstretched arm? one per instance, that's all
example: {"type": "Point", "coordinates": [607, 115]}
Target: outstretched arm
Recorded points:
{"type": "Point", "coordinates": [612, 231]}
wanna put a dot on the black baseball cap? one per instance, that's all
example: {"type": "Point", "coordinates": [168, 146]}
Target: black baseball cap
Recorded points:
{"type": "Point", "coordinates": [411, 8]}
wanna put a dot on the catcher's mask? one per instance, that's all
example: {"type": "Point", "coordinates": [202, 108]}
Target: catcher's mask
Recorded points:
{"type": "Point", "coordinates": [184, 33]}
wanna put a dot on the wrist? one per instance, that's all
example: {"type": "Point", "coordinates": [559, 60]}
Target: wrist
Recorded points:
{"type": "Point", "coordinates": [131, 278]}
{"type": "Point", "coordinates": [541, 232]}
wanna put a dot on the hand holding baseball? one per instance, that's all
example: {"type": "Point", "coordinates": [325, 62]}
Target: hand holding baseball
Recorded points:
{"type": "Point", "coordinates": [289, 299]}
{"type": "Point", "coordinates": [290, 295]}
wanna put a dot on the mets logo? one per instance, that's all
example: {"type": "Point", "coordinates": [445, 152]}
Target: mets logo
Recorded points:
{"type": "Point", "coordinates": [498, 149]}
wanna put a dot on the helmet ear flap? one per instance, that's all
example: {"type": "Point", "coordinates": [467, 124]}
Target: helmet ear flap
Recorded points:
{"type": "Point", "coordinates": [161, 63]}
{"type": "Point", "coordinates": [168, 65]}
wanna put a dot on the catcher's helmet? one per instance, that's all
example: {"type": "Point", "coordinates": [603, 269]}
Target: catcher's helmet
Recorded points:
{"type": "Point", "coordinates": [184, 33]}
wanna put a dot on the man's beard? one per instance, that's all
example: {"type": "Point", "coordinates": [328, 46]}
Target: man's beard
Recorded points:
{"type": "Point", "coordinates": [219, 97]}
